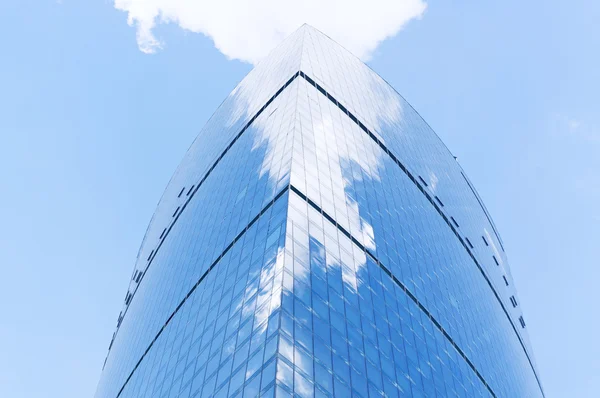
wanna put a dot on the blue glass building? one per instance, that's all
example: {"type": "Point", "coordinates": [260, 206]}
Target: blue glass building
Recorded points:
{"type": "Point", "coordinates": [318, 239]}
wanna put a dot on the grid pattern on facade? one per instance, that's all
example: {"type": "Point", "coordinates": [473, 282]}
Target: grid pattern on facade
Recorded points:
{"type": "Point", "coordinates": [313, 243]}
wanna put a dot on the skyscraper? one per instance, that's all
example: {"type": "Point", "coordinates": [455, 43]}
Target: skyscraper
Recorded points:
{"type": "Point", "coordinates": [318, 239]}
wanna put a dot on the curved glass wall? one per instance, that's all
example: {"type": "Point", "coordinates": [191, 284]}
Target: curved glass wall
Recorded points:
{"type": "Point", "coordinates": [318, 239]}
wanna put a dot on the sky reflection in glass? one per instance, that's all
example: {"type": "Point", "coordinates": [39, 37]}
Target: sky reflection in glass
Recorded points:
{"type": "Point", "coordinates": [318, 239]}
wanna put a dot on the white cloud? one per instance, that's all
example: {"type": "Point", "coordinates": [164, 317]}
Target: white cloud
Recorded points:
{"type": "Point", "coordinates": [248, 29]}
{"type": "Point", "coordinates": [573, 127]}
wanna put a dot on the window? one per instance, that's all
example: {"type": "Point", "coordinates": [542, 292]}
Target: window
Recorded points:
{"type": "Point", "coordinates": [176, 210]}
{"type": "Point", "coordinates": [505, 280]}
{"type": "Point", "coordinates": [162, 233]}
{"type": "Point", "coordinates": [485, 241]}
{"type": "Point", "coordinates": [513, 301]}
{"type": "Point", "coordinates": [469, 243]}
{"type": "Point", "coordinates": [423, 181]}
{"type": "Point", "coordinates": [454, 221]}
{"type": "Point", "coordinates": [181, 192]}
{"type": "Point", "coordinates": [439, 201]}
{"type": "Point", "coordinates": [495, 260]}
{"type": "Point", "coordinates": [522, 321]}
{"type": "Point", "coordinates": [128, 298]}
{"type": "Point", "coordinates": [190, 190]}
{"type": "Point", "coordinates": [150, 256]}
{"type": "Point", "coordinates": [139, 277]}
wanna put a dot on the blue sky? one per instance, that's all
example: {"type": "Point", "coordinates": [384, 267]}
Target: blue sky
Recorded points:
{"type": "Point", "coordinates": [92, 129]}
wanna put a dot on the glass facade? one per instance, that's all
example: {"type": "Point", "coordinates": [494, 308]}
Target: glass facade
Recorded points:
{"type": "Point", "coordinates": [319, 240]}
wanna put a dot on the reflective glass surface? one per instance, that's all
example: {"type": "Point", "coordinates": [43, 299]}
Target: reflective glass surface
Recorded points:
{"type": "Point", "coordinates": [318, 239]}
